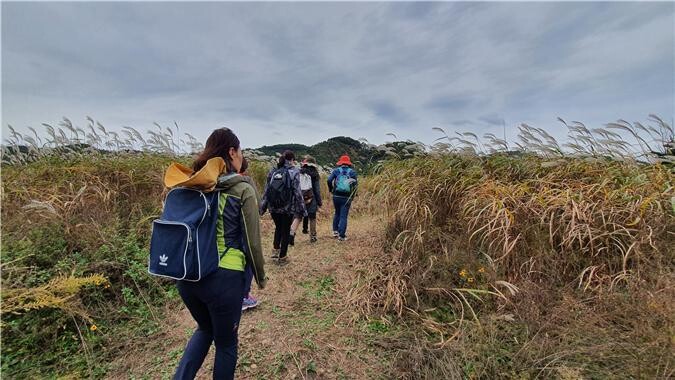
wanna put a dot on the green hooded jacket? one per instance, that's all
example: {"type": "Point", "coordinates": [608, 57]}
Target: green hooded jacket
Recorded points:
{"type": "Point", "coordinates": [238, 228]}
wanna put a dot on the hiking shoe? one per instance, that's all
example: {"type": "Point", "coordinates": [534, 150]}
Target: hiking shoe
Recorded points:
{"type": "Point", "coordinates": [249, 303]}
{"type": "Point", "coordinates": [275, 254]}
{"type": "Point", "coordinates": [336, 234]}
{"type": "Point", "coordinates": [312, 239]}
{"type": "Point", "coordinates": [342, 238]}
{"type": "Point", "coordinates": [282, 261]}
{"type": "Point", "coordinates": [291, 240]}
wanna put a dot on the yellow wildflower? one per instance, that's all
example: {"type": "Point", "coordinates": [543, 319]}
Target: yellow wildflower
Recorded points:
{"type": "Point", "coordinates": [481, 270]}
{"type": "Point", "coordinates": [463, 273]}
{"type": "Point", "coordinates": [470, 279]}
{"type": "Point", "coordinates": [93, 328]}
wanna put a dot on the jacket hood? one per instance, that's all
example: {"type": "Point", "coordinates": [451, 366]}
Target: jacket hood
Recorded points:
{"type": "Point", "coordinates": [226, 181]}
{"type": "Point", "coordinates": [204, 179]}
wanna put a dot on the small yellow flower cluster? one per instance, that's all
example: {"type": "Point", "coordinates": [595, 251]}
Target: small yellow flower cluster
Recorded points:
{"type": "Point", "coordinates": [93, 328]}
{"type": "Point", "coordinates": [102, 282]}
{"type": "Point", "coordinates": [464, 274]}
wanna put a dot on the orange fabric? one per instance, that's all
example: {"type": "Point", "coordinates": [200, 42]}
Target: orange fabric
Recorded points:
{"type": "Point", "coordinates": [205, 179]}
{"type": "Point", "coordinates": [344, 160]}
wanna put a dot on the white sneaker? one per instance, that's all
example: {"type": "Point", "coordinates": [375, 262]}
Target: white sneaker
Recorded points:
{"type": "Point", "coordinates": [336, 234]}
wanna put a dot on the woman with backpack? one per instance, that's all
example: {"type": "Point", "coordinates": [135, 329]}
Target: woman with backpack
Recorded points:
{"type": "Point", "coordinates": [342, 183]}
{"type": "Point", "coordinates": [311, 194]}
{"type": "Point", "coordinates": [215, 301]}
{"type": "Point", "coordinates": [283, 198]}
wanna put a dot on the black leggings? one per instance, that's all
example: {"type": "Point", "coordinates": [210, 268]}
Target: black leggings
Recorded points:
{"type": "Point", "coordinates": [282, 230]}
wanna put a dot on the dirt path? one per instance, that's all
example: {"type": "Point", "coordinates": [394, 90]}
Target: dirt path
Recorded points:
{"type": "Point", "coordinates": [302, 328]}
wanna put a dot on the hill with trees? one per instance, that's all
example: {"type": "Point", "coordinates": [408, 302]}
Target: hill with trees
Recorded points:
{"type": "Point", "coordinates": [365, 156]}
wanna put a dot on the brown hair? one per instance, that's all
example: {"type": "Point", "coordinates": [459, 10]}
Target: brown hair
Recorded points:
{"type": "Point", "coordinates": [218, 145]}
{"type": "Point", "coordinates": [244, 166]}
{"type": "Point", "coordinates": [288, 155]}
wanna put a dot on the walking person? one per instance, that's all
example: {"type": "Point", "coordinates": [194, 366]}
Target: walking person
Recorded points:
{"type": "Point", "coordinates": [283, 198]}
{"type": "Point", "coordinates": [311, 194]}
{"type": "Point", "coordinates": [215, 301]}
{"type": "Point", "coordinates": [342, 183]}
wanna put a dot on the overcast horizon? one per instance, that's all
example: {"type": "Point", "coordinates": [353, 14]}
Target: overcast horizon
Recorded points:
{"type": "Point", "coordinates": [305, 72]}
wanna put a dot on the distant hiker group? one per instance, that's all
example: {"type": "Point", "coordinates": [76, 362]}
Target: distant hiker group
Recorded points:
{"type": "Point", "coordinates": [293, 196]}
{"type": "Point", "coordinates": [208, 236]}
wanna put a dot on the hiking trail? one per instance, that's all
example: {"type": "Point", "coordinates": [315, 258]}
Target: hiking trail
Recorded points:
{"type": "Point", "coordinates": [303, 327]}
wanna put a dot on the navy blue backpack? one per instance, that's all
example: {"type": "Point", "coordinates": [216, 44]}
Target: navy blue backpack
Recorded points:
{"type": "Point", "coordinates": [183, 243]}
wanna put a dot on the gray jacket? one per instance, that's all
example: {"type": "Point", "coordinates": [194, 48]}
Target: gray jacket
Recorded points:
{"type": "Point", "coordinates": [297, 204]}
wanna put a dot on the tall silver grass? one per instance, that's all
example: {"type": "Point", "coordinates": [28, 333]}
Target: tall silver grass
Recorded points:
{"type": "Point", "coordinates": [66, 139]}
{"type": "Point", "coordinates": [620, 140]}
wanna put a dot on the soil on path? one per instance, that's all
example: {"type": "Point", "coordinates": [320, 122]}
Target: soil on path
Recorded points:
{"type": "Point", "coordinates": [303, 327]}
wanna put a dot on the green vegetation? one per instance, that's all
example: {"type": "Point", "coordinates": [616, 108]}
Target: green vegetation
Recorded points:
{"type": "Point", "coordinates": [74, 255]}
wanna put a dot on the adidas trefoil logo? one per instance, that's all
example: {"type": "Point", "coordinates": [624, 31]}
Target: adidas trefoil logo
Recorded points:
{"type": "Point", "coordinates": [162, 260]}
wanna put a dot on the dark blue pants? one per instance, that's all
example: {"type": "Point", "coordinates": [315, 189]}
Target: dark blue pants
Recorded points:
{"type": "Point", "coordinates": [215, 303]}
{"type": "Point", "coordinates": [248, 272]}
{"type": "Point", "coordinates": [342, 205]}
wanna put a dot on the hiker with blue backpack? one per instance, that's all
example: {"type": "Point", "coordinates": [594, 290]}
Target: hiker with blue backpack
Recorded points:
{"type": "Point", "coordinates": [207, 235]}
{"type": "Point", "coordinates": [342, 183]}
{"type": "Point", "coordinates": [283, 198]}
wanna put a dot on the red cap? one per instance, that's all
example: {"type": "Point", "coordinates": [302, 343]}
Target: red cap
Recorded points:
{"type": "Point", "coordinates": [344, 160]}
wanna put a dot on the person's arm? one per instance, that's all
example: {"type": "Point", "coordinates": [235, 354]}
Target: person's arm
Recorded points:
{"type": "Point", "coordinates": [316, 188]}
{"type": "Point", "coordinates": [331, 178]}
{"type": "Point", "coordinates": [263, 202]}
{"type": "Point", "coordinates": [251, 231]}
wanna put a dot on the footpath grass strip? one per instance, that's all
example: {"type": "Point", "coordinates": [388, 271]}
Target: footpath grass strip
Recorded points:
{"type": "Point", "coordinates": [303, 327]}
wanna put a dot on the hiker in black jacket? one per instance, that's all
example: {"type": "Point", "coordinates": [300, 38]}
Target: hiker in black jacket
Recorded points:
{"type": "Point", "coordinates": [282, 196]}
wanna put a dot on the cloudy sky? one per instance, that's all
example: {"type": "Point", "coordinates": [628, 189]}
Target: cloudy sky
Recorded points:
{"type": "Point", "coordinates": [304, 72]}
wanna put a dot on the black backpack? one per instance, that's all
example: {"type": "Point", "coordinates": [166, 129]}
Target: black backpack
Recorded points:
{"type": "Point", "coordinates": [280, 189]}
